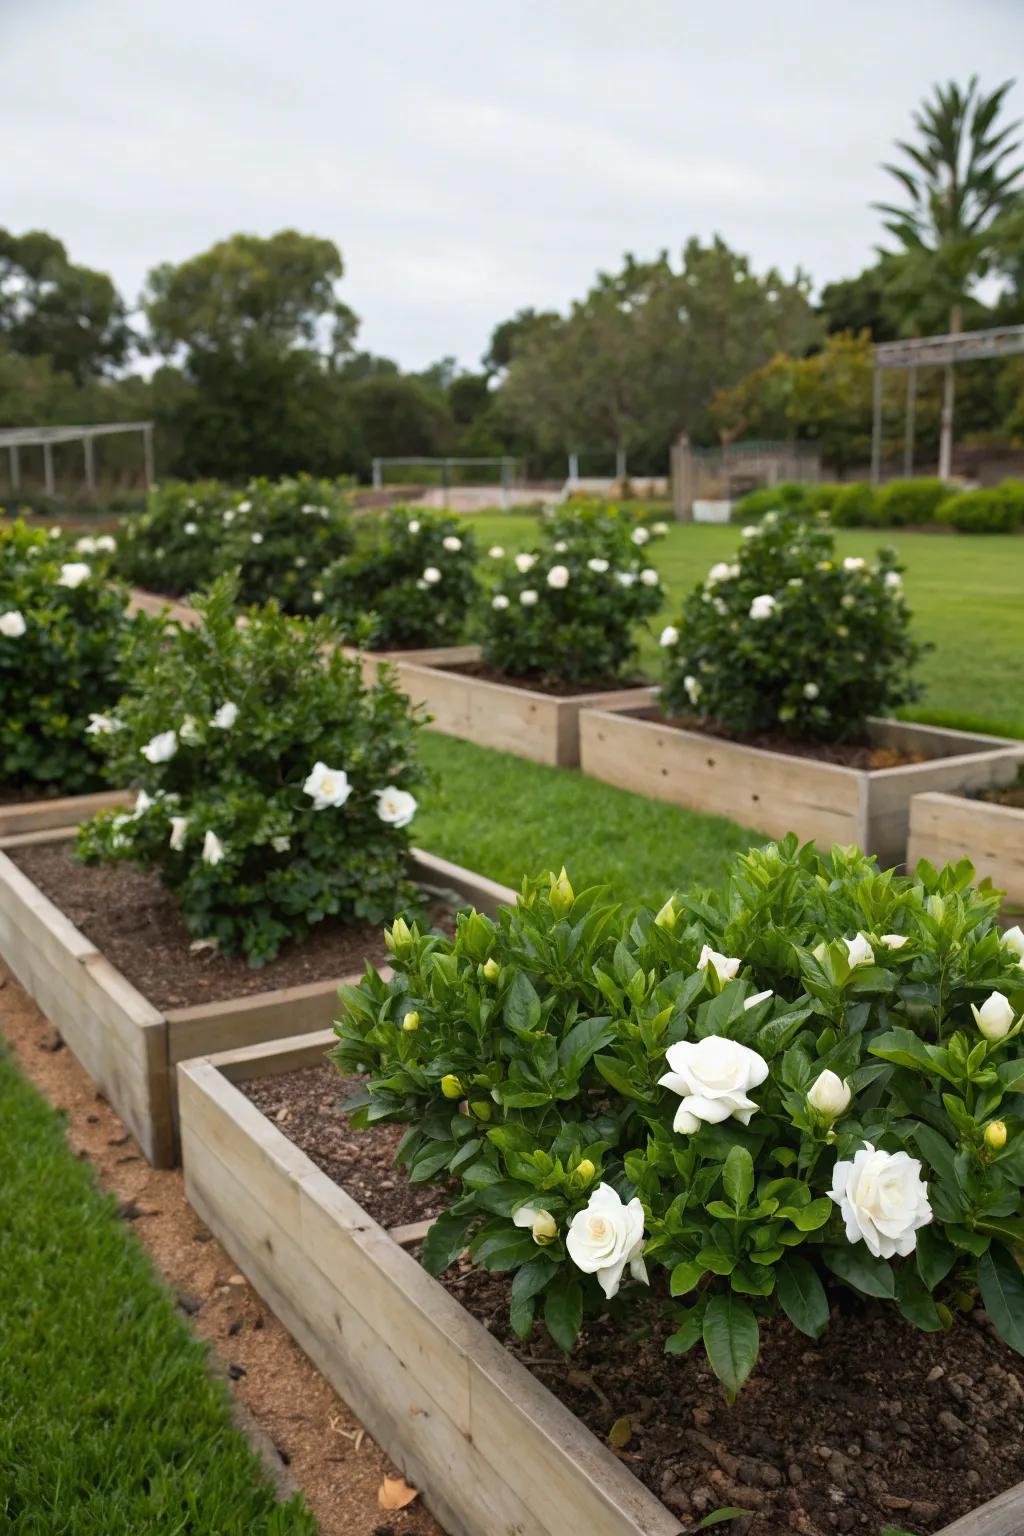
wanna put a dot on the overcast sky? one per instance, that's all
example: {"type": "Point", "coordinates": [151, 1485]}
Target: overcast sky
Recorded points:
{"type": "Point", "coordinates": [471, 157]}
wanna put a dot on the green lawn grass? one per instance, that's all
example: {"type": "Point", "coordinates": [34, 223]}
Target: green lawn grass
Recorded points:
{"type": "Point", "coordinates": [505, 817]}
{"type": "Point", "coordinates": [966, 595]}
{"type": "Point", "coordinates": [110, 1424]}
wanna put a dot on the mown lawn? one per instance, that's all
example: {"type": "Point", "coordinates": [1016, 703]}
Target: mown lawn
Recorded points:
{"type": "Point", "coordinates": [110, 1423]}
{"type": "Point", "coordinates": [966, 595]}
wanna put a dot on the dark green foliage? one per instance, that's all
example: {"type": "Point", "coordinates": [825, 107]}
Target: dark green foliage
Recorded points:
{"type": "Point", "coordinates": [995, 511]}
{"type": "Point", "coordinates": [787, 496]}
{"type": "Point", "coordinates": [904, 503]}
{"type": "Point", "coordinates": [854, 506]}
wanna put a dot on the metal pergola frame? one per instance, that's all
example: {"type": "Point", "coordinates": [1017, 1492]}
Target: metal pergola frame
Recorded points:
{"type": "Point", "coordinates": [16, 438]}
{"type": "Point", "coordinates": [934, 352]}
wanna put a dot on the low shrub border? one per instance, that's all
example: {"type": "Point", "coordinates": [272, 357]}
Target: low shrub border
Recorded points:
{"type": "Point", "coordinates": [125, 1043]}
{"type": "Point", "coordinates": [946, 828]}
{"type": "Point", "coordinates": [489, 1446]}
{"type": "Point", "coordinates": [776, 793]}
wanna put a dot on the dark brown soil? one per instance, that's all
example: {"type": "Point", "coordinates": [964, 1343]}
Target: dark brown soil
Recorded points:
{"type": "Point", "coordinates": [135, 922]}
{"type": "Point", "coordinates": [878, 1424]}
{"type": "Point", "coordinates": [846, 754]}
{"type": "Point", "coordinates": [1010, 794]}
{"type": "Point", "coordinates": [305, 1104]}
{"type": "Point", "coordinates": [535, 683]}
{"type": "Point", "coordinates": [22, 794]}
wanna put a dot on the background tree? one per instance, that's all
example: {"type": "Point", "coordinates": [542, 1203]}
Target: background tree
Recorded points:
{"type": "Point", "coordinates": [51, 308]}
{"type": "Point", "coordinates": [960, 180]}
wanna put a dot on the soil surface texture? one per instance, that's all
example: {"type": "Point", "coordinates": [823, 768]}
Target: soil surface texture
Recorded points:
{"type": "Point", "coordinates": [866, 755]}
{"type": "Point", "coordinates": [538, 684]}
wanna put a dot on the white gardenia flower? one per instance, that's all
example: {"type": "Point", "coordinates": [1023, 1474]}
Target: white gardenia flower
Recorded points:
{"type": "Point", "coordinates": [188, 731]}
{"type": "Point", "coordinates": [854, 563]}
{"type": "Point", "coordinates": [451, 543]}
{"type": "Point", "coordinates": [525, 563]}
{"type": "Point", "coordinates": [659, 529]}
{"type": "Point", "coordinates": [191, 528]}
{"type": "Point", "coordinates": [649, 576]}
{"type": "Point", "coordinates": [668, 636]}
{"type": "Point", "coordinates": [543, 1226]}
{"type": "Point", "coordinates": [693, 689]}
{"type": "Point", "coordinates": [12, 624]}
{"type": "Point", "coordinates": [86, 545]}
{"type": "Point", "coordinates": [558, 577]}
{"type": "Point", "coordinates": [225, 717]}
{"type": "Point", "coordinates": [101, 725]}
{"type": "Point", "coordinates": [73, 574]}
{"type": "Point", "coordinates": [245, 506]}
{"type": "Point", "coordinates": [640, 536]}
{"type": "Point", "coordinates": [257, 538]}
{"type": "Point", "coordinates": [763, 607]}
{"type": "Point", "coordinates": [995, 1016]}
{"type": "Point", "coordinates": [161, 747]}
{"type": "Point", "coordinates": [213, 848]}
{"type": "Point", "coordinates": [317, 596]}
{"type": "Point", "coordinates": [597, 564]}
{"type": "Point", "coordinates": [721, 571]}
{"type": "Point", "coordinates": [560, 547]}
{"type": "Point", "coordinates": [883, 1200]}
{"type": "Point", "coordinates": [811, 690]}
{"type": "Point", "coordinates": [496, 552]}
{"type": "Point", "coordinates": [713, 1077]}
{"type": "Point", "coordinates": [413, 526]}
{"type": "Point", "coordinates": [859, 951]}
{"type": "Point", "coordinates": [724, 966]}
{"type": "Point", "coordinates": [499, 601]}
{"type": "Point", "coordinates": [829, 1095]}
{"type": "Point", "coordinates": [281, 844]}
{"type": "Point", "coordinates": [327, 786]}
{"type": "Point", "coordinates": [179, 826]}
{"type": "Point", "coordinates": [228, 516]}
{"type": "Point", "coordinates": [625, 578]}
{"type": "Point", "coordinates": [893, 940]}
{"type": "Point", "coordinates": [894, 581]}
{"type": "Point", "coordinates": [528, 598]}
{"type": "Point", "coordinates": [749, 531]}
{"type": "Point", "coordinates": [431, 575]}
{"type": "Point", "coordinates": [395, 806]}
{"type": "Point", "coordinates": [606, 1237]}
{"type": "Point", "coordinates": [106, 543]}
{"type": "Point", "coordinates": [1013, 937]}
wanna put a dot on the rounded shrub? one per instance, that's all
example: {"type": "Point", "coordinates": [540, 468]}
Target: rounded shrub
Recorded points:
{"type": "Point", "coordinates": [174, 546]}
{"type": "Point", "coordinates": [62, 626]}
{"type": "Point", "coordinates": [787, 496]}
{"type": "Point", "coordinates": [854, 506]}
{"type": "Point", "coordinates": [567, 612]}
{"type": "Point", "coordinates": [905, 502]}
{"type": "Point", "coordinates": [275, 789]}
{"type": "Point", "coordinates": [744, 1106]}
{"type": "Point", "coordinates": [788, 638]}
{"type": "Point", "coordinates": [281, 534]}
{"type": "Point", "coordinates": [980, 512]}
{"type": "Point", "coordinates": [414, 576]}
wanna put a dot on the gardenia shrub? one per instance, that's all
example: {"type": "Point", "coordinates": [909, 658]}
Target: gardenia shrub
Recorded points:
{"type": "Point", "coordinates": [175, 545]}
{"type": "Point", "coordinates": [789, 638]}
{"type": "Point", "coordinates": [274, 788]}
{"type": "Point", "coordinates": [414, 576]}
{"type": "Point", "coordinates": [567, 611]}
{"type": "Point", "coordinates": [281, 535]}
{"type": "Point", "coordinates": [62, 625]}
{"type": "Point", "coordinates": [807, 1089]}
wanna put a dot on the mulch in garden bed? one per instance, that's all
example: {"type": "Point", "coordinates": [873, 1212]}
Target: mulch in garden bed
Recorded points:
{"type": "Point", "coordinates": [875, 1425]}
{"type": "Point", "coordinates": [535, 683]}
{"type": "Point", "coordinates": [1008, 794]}
{"type": "Point", "coordinates": [865, 754]}
{"type": "Point", "coordinates": [136, 924]}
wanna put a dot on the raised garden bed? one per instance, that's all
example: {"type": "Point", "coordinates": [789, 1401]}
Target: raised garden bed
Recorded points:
{"type": "Point", "coordinates": [128, 1043]}
{"type": "Point", "coordinates": [947, 828]}
{"type": "Point", "coordinates": [20, 818]}
{"type": "Point", "coordinates": [543, 727]}
{"type": "Point", "coordinates": [154, 604]}
{"type": "Point", "coordinates": [778, 792]}
{"type": "Point", "coordinates": [491, 1448]}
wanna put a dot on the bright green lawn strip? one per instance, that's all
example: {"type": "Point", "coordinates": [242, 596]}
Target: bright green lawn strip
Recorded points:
{"type": "Point", "coordinates": [110, 1424]}
{"type": "Point", "coordinates": [505, 817]}
{"type": "Point", "coordinates": [966, 595]}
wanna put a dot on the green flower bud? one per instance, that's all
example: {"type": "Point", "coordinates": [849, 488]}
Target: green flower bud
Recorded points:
{"type": "Point", "coordinates": [544, 1229]}
{"type": "Point", "coordinates": [584, 1171]}
{"type": "Point", "coordinates": [411, 1021]}
{"type": "Point", "coordinates": [492, 970]}
{"type": "Point", "coordinates": [667, 917]}
{"type": "Point", "coordinates": [451, 1087]}
{"type": "Point", "coordinates": [398, 936]}
{"type": "Point", "coordinates": [561, 894]}
{"type": "Point", "coordinates": [995, 1136]}
{"type": "Point", "coordinates": [482, 1109]}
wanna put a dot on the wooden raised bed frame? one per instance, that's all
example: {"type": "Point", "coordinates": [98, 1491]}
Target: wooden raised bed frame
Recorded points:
{"type": "Point", "coordinates": [491, 1449]}
{"type": "Point", "coordinates": [540, 726]}
{"type": "Point", "coordinates": [21, 818]}
{"type": "Point", "coordinates": [947, 828]}
{"type": "Point", "coordinates": [776, 793]}
{"type": "Point", "coordinates": [129, 1046]}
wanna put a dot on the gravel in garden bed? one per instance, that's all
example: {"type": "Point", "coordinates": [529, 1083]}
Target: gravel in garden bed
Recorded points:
{"type": "Point", "coordinates": [876, 1424]}
{"type": "Point", "coordinates": [538, 684]}
{"type": "Point", "coordinates": [136, 924]}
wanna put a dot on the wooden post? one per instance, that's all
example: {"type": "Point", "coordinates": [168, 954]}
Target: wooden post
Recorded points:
{"type": "Point", "coordinates": [876, 429]}
{"type": "Point", "coordinates": [90, 465]}
{"type": "Point", "coordinates": [150, 456]}
{"type": "Point", "coordinates": [15, 469]}
{"type": "Point", "coordinates": [620, 465]}
{"type": "Point", "coordinates": [908, 431]}
{"type": "Point", "coordinates": [377, 477]}
{"type": "Point", "coordinates": [48, 467]}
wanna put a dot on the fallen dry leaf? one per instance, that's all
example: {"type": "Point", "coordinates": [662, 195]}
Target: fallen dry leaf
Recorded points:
{"type": "Point", "coordinates": [395, 1493]}
{"type": "Point", "coordinates": [620, 1434]}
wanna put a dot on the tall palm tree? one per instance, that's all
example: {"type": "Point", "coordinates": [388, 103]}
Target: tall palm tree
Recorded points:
{"type": "Point", "coordinates": [961, 182]}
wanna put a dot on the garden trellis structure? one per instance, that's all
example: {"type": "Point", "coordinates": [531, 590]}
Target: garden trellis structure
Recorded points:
{"type": "Point", "coordinates": [932, 352]}
{"type": "Point", "coordinates": [16, 438]}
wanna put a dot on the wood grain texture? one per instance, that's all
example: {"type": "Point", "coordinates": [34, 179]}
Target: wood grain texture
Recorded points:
{"type": "Point", "coordinates": [775, 792]}
{"type": "Point", "coordinates": [491, 1449]}
{"type": "Point", "coordinates": [69, 811]}
{"type": "Point", "coordinates": [947, 828]}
